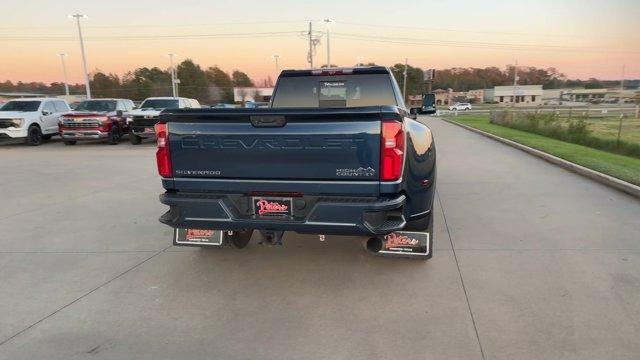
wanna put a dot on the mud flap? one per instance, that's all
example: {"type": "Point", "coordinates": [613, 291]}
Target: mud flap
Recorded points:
{"type": "Point", "coordinates": [199, 237]}
{"type": "Point", "coordinates": [409, 244]}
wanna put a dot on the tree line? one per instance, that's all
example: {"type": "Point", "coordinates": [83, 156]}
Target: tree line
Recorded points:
{"type": "Point", "coordinates": [210, 85]}
{"type": "Point", "coordinates": [214, 85]}
{"type": "Point", "coordinates": [465, 79]}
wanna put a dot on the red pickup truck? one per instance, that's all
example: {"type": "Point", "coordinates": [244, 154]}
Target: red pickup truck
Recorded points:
{"type": "Point", "coordinates": [96, 119]}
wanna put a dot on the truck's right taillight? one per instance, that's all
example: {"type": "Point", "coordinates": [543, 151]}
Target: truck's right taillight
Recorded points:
{"type": "Point", "coordinates": [163, 157]}
{"type": "Point", "coordinates": [392, 150]}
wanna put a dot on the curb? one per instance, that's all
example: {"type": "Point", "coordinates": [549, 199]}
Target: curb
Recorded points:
{"type": "Point", "coordinates": [604, 179]}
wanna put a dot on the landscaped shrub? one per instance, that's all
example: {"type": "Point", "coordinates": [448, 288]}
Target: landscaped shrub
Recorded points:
{"type": "Point", "coordinates": [574, 131]}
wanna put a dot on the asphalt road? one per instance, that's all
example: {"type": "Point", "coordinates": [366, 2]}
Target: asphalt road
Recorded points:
{"type": "Point", "coordinates": [531, 262]}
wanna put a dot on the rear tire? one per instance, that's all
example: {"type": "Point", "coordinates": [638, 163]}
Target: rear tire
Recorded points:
{"type": "Point", "coordinates": [34, 136]}
{"type": "Point", "coordinates": [134, 139]}
{"type": "Point", "coordinates": [240, 239]}
{"type": "Point", "coordinates": [70, 142]}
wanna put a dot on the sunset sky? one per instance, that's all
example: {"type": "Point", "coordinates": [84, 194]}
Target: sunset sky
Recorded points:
{"type": "Point", "coordinates": [581, 38]}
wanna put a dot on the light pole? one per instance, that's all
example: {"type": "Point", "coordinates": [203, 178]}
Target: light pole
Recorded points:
{"type": "Point", "coordinates": [359, 59]}
{"type": "Point", "coordinates": [64, 73]}
{"type": "Point", "coordinates": [276, 57]}
{"type": "Point", "coordinates": [404, 82]}
{"type": "Point", "coordinates": [328, 22]}
{"type": "Point", "coordinates": [84, 58]}
{"type": "Point", "coordinates": [174, 84]}
{"type": "Point", "coordinates": [515, 83]}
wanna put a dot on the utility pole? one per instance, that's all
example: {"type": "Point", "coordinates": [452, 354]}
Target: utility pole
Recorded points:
{"type": "Point", "coordinates": [64, 73]}
{"type": "Point", "coordinates": [328, 22]}
{"type": "Point", "coordinates": [622, 80]}
{"type": "Point", "coordinates": [311, 44]}
{"type": "Point", "coordinates": [174, 85]}
{"type": "Point", "coordinates": [404, 82]}
{"type": "Point", "coordinates": [276, 57]}
{"type": "Point", "coordinates": [84, 58]}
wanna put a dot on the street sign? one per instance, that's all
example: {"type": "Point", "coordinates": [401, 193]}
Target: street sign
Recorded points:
{"type": "Point", "coordinates": [429, 74]}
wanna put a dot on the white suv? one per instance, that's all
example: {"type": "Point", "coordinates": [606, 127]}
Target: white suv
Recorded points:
{"type": "Point", "coordinates": [142, 120]}
{"type": "Point", "coordinates": [31, 119]}
{"type": "Point", "coordinates": [460, 107]}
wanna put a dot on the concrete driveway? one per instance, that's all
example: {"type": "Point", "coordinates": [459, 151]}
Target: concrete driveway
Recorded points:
{"type": "Point", "coordinates": [531, 262]}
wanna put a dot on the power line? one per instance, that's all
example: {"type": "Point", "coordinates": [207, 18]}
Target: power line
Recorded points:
{"type": "Point", "coordinates": [347, 36]}
{"type": "Point", "coordinates": [382, 26]}
{"type": "Point", "coordinates": [473, 44]}
{"type": "Point", "coordinates": [160, 26]}
{"type": "Point", "coordinates": [154, 37]}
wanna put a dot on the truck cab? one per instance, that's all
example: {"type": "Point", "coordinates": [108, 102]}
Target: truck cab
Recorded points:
{"type": "Point", "coordinates": [143, 119]}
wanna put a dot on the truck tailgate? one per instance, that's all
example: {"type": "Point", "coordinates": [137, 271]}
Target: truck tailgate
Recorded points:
{"type": "Point", "coordinates": [276, 144]}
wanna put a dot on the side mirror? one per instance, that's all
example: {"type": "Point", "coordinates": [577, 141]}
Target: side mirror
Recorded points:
{"type": "Point", "coordinates": [119, 113]}
{"type": "Point", "coordinates": [413, 113]}
{"type": "Point", "coordinates": [46, 112]}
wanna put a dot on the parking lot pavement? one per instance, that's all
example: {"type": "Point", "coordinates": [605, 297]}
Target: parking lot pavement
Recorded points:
{"type": "Point", "coordinates": [546, 265]}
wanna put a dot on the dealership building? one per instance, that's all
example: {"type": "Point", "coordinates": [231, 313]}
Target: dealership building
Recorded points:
{"type": "Point", "coordinates": [520, 94]}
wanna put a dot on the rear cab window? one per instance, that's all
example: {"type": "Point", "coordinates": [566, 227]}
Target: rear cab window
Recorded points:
{"type": "Point", "coordinates": [316, 91]}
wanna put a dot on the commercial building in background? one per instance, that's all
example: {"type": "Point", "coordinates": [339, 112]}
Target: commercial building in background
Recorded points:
{"type": "Point", "coordinates": [487, 96]}
{"type": "Point", "coordinates": [252, 94]}
{"type": "Point", "coordinates": [598, 95]}
{"type": "Point", "coordinates": [519, 94]}
{"type": "Point", "coordinates": [414, 100]}
{"type": "Point", "coordinates": [447, 97]}
{"type": "Point", "coordinates": [475, 96]}
{"type": "Point", "coordinates": [584, 95]}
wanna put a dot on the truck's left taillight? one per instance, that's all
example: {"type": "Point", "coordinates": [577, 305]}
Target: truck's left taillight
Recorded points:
{"type": "Point", "coordinates": [392, 150]}
{"type": "Point", "coordinates": [163, 156]}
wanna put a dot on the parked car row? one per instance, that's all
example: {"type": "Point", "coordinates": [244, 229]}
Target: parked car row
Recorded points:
{"type": "Point", "coordinates": [36, 119]}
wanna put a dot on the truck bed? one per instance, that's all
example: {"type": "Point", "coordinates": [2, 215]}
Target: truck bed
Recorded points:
{"type": "Point", "coordinates": [277, 144]}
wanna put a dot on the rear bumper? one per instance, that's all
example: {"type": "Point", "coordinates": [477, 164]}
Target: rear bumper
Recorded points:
{"type": "Point", "coordinates": [317, 215]}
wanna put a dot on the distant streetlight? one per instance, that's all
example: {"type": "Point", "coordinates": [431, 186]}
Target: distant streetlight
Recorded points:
{"type": "Point", "coordinates": [276, 57]}
{"type": "Point", "coordinates": [84, 58]}
{"type": "Point", "coordinates": [174, 81]}
{"type": "Point", "coordinates": [64, 73]}
{"type": "Point", "coordinates": [328, 22]}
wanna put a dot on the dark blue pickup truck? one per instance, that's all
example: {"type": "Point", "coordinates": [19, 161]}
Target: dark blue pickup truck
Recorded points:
{"type": "Point", "coordinates": [336, 153]}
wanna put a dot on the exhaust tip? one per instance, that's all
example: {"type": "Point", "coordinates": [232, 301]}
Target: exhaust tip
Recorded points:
{"type": "Point", "coordinates": [374, 244]}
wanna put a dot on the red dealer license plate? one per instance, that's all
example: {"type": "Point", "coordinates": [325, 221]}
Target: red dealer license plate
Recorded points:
{"type": "Point", "coordinates": [198, 237]}
{"type": "Point", "coordinates": [272, 207]}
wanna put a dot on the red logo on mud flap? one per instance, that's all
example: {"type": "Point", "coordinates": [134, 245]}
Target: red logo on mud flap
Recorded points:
{"type": "Point", "coordinates": [198, 234]}
{"type": "Point", "coordinates": [395, 240]}
{"type": "Point", "coordinates": [267, 207]}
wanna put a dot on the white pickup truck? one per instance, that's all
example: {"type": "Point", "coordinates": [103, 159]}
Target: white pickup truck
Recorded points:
{"type": "Point", "coordinates": [143, 119]}
{"type": "Point", "coordinates": [31, 119]}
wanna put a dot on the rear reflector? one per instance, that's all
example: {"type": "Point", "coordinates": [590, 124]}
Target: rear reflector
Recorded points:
{"type": "Point", "coordinates": [392, 150]}
{"type": "Point", "coordinates": [163, 157]}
